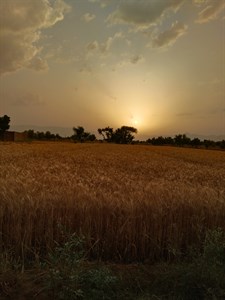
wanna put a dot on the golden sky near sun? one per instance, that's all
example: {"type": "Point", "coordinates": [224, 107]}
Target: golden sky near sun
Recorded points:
{"type": "Point", "coordinates": [158, 65]}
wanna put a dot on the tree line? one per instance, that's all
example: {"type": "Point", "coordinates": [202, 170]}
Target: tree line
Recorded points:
{"type": "Point", "coordinates": [122, 135]}
{"type": "Point", "coordinates": [182, 140]}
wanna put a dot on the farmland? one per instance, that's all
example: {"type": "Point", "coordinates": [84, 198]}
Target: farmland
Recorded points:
{"type": "Point", "coordinates": [132, 203]}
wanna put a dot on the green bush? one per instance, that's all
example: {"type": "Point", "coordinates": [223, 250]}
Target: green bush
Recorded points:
{"type": "Point", "coordinates": [202, 276]}
{"type": "Point", "coordinates": [68, 278]}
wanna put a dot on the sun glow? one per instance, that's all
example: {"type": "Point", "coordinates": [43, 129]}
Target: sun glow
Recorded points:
{"type": "Point", "coordinates": [137, 119]}
{"type": "Point", "coordinates": [134, 121]}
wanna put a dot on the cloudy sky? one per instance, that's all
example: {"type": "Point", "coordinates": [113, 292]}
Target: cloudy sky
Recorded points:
{"type": "Point", "coordinates": [158, 65]}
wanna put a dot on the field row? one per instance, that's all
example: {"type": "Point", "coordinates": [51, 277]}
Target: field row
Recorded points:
{"type": "Point", "coordinates": [130, 202]}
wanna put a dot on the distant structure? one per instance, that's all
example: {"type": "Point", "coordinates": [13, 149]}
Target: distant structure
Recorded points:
{"type": "Point", "coordinates": [12, 136]}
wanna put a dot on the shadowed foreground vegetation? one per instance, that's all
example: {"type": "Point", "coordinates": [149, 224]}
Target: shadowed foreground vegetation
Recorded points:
{"type": "Point", "coordinates": [158, 207]}
{"type": "Point", "coordinates": [66, 274]}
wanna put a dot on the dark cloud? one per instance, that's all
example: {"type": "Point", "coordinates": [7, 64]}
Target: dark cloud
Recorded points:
{"type": "Point", "coordinates": [88, 17]}
{"type": "Point", "coordinates": [21, 23]}
{"type": "Point", "coordinates": [143, 12]}
{"type": "Point", "coordinates": [92, 46]}
{"type": "Point", "coordinates": [169, 37]}
{"type": "Point", "coordinates": [211, 11]}
{"type": "Point", "coordinates": [104, 47]}
{"type": "Point", "coordinates": [103, 3]}
{"type": "Point", "coordinates": [135, 59]}
{"type": "Point", "coordinates": [129, 60]}
{"type": "Point", "coordinates": [38, 64]}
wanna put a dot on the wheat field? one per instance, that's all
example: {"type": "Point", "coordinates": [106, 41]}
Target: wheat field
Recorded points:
{"type": "Point", "coordinates": [131, 202]}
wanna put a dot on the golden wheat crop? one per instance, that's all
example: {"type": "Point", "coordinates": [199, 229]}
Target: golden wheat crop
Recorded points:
{"type": "Point", "coordinates": [131, 202]}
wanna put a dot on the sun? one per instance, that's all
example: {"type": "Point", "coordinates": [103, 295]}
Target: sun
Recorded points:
{"type": "Point", "coordinates": [137, 119]}
{"type": "Point", "coordinates": [134, 120]}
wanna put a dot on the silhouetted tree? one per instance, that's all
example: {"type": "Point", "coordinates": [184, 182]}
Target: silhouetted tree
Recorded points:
{"type": "Point", "coordinates": [195, 142]}
{"type": "Point", "coordinates": [107, 133]}
{"type": "Point", "coordinates": [82, 136]}
{"type": "Point", "coordinates": [78, 133]}
{"type": "Point", "coordinates": [91, 137]}
{"type": "Point", "coordinates": [161, 141]}
{"type": "Point", "coordinates": [208, 143]}
{"type": "Point", "coordinates": [222, 144]}
{"type": "Point", "coordinates": [40, 135]}
{"type": "Point", "coordinates": [181, 140]}
{"type": "Point", "coordinates": [4, 123]}
{"type": "Point", "coordinates": [168, 140]}
{"type": "Point", "coordinates": [49, 135]}
{"type": "Point", "coordinates": [30, 134]}
{"type": "Point", "coordinates": [124, 135]}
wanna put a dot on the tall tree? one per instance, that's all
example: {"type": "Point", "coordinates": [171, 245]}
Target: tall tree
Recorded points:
{"type": "Point", "coordinates": [107, 133]}
{"type": "Point", "coordinates": [4, 123]}
{"type": "Point", "coordinates": [78, 133]}
{"type": "Point", "coordinates": [181, 140]}
{"type": "Point", "coordinates": [124, 135]}
{"type": "Point", "coordinates": [82, 136]}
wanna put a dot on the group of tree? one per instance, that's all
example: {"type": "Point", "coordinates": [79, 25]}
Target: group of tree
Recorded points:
{"type": "Point", "coordinates": [122, 135]}
{"type": "Point", "coordinates": [42, 136]}
{"type": "Point", "coordinates": [182, 140]}
{"type": "Point", "coordinates": [80, 135]}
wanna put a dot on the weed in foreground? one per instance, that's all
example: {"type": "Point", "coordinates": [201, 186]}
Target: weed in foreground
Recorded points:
{"type": "Point", "coordinates": [66, 274]}
{"type": "Point", "coordinates": [201, 277]}
{"type": "Point", "coordinates": [68, 278]}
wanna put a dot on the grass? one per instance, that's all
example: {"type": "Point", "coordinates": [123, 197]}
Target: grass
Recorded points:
{"type": "Point", "coordinates": [66, 274]}
{"type": "Point", "coordinates": [151, 207]}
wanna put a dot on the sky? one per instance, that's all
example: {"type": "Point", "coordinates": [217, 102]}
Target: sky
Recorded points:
{"type": "Point", "coordinates": [157, 65]}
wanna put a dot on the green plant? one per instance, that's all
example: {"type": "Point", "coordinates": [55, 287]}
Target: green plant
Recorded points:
{"type": "Point", "coordinates": [198, 277]}
{"type": "Point", "coordinates": [99, 284]}
{"type": "Point", "coordinates": [64, 269]}
{"type": "Point", "coordinates": [69, 278]}
{"type": "Point", "coordinates": [214, 248]}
